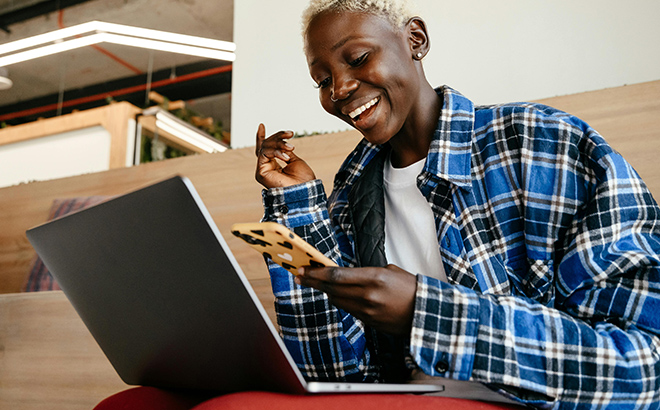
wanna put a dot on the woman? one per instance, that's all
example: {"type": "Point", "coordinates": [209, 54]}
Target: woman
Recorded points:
{"type": "Point", "coordinates": [508, 245]}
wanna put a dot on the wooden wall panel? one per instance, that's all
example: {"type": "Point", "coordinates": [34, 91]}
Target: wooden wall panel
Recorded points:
{"type": "Point", "coordinates": [48, 359]}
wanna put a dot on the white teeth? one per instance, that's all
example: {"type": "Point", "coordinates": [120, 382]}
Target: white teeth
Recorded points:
{"type": "Point", "coordinates": [360, 110]}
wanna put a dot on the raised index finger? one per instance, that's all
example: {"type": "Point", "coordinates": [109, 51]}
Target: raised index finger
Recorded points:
{"type": "Point", "coordinates": [261, 136]}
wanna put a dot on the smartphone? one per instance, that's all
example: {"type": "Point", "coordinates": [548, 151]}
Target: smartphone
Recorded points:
{"type": "Point", "coordinates": [281, 245]}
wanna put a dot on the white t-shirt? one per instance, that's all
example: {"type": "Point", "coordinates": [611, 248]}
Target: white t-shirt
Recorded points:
{"type": "Point", "coordinates": [411, 241]}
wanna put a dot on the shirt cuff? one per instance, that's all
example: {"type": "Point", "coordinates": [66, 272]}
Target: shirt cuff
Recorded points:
{"type": "Point", "coordinates": [295, 205]}
{"type": "Point", "coordinates": [444, 331]}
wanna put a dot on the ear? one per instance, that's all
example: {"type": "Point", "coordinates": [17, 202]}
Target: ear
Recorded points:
{"type": "Point", "coordinates": [418, 38]}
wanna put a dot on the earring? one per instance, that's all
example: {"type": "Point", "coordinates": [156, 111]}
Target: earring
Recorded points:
{"type": "Point", "coordinates": [419, 56]}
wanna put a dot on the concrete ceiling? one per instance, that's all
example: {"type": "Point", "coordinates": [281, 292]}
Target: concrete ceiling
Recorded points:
{"type": "Point", "coordinates": [84, 67]}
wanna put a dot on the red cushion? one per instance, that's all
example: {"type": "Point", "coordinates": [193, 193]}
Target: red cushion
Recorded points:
{"type": "Point", "coordinates": [148, 398]}
{"type": "Point", "coordinates": [277, 401]}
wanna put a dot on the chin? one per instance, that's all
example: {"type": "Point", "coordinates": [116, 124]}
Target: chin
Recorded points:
{"type": "Point", "coordinates": [375, 137]}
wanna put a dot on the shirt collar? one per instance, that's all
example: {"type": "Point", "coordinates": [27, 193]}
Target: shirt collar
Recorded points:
{"type": "Point", "coordinates": [450, 156]}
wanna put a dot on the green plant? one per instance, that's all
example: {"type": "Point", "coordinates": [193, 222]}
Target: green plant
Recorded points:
{"type": "Point", "coordinates": [306, 134]}
{"type": "Point", "coordinates": [206, 124]}
{"type": "Point", "coordinates": [148, 146]}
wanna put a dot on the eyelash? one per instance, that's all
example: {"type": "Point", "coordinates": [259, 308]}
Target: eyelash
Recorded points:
{"type": "Point", "coordinates": [326, 81]}
{"type": "Point", "coordinates": [358, 60]}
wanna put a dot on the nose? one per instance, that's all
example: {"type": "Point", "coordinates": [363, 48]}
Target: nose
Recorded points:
{"type": "Point", "coordinates": [343, 87]}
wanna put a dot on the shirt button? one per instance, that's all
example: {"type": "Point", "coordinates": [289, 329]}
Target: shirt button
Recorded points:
{"type": "Point", "coordinates": [442, 366]}
{"type": "Point", "coordinates": [284, 209]}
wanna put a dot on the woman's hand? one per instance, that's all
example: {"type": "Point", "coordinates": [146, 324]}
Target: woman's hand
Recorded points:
{"type": "Point", "coordinates": [381, 297]}
{"type": "Point", "coordinates": [269, 172]}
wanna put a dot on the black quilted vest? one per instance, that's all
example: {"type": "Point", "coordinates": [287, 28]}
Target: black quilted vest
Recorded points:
{"type": "Point", "coordinates": [367, 210]}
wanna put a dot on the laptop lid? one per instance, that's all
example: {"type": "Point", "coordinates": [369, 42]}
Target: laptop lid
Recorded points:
{"type": "Point", "coordinates": [158, 288]}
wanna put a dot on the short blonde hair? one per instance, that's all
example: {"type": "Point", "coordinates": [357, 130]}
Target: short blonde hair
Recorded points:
{"type": "Point", "coordinates": [397, 12]}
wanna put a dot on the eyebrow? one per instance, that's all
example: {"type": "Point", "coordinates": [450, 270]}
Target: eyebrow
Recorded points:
{"type": "Point", "coordinates": [342, 42]}
{"type": "Point", "coordinates": [336, 46]}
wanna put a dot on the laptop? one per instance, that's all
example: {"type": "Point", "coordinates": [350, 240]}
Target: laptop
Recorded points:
{"type": "Point", "coordinates": [158, 288]}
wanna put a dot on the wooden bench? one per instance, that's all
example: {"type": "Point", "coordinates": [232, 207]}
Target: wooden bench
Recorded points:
{"type": "Point", "coordinates": [47, 357]}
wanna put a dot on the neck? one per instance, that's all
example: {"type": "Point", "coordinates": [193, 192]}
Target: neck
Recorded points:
{"type": "Point", "coordinates": [412, 142]}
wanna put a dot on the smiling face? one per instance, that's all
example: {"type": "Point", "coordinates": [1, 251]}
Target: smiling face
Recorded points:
{"type": "Point", "coordinates": [366, 73]}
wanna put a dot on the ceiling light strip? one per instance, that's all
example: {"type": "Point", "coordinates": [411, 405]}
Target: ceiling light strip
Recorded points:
{"type": "Point", "coordinates": [49, 37]}
{"type": "Point", "coordinates": [169, 47]}
{"type": "Point", "coordinates": [50, 49]}
{"type": "Point", "coordinates": [116, 39]}
{"type": "Point", "coordinates": [114, 33]}
{"type": "Point", "coordinates": [165, 36]}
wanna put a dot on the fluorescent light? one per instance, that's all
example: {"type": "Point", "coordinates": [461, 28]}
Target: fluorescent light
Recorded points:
{"type": "Point", "coordinates": [170, 47]}
{"type": "Point", "coordinates": [51, 49]}
{"type": "Point", "coordinates": [98, 32]}
{"type": "Point", "coordinates": [187, 133]}
{"type": "Point", "coordinates": [165, 127]}
{"type": "Point", "coordinates": [47, 37]}
{"type": "Point", "coordinates": [165, 36]}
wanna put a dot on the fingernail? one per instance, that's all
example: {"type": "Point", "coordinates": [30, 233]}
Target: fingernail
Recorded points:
{"type": "Point", "coordinates": [282, 154]}
{"type": "Point", "coordinates": [301, 271]}
{"type": "Point", "coordinates": [296, 280]}
{"type": "Point", "coordinates": [286, 144]}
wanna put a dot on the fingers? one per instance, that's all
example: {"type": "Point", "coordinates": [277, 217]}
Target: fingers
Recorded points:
{"type": "Point", "coordinates": [334, 275]}
{"type": "Point", "coordinates": [337, 282]}
{"type": "Point", "coordinates": [341, 286]}
{"type": "Point", "coordinates": [381, 297]}
{"type": "Point", "coordinates": [275, 146]}
{"type": "Point", "coordinates": [339, 276]}
{"type": "Point", "coordinates": [271, 152]}
{"type": "Point", "coordinates": [261, 136]}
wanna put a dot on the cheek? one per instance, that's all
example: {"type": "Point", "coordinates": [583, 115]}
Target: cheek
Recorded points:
{"type": "Point", "coordinates": [399, 75]}
{"type": "Point", "coordinates": [326, 104]}
{"type": "Point", "coordinates": [393, 81]}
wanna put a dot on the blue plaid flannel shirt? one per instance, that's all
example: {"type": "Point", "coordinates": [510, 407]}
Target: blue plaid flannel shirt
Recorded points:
{"type": "Point", "coordinates": [550, 241]}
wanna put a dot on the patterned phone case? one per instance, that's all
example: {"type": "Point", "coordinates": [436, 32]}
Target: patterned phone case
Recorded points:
{"type": "Point", "coordinates": [282, 246]}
